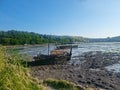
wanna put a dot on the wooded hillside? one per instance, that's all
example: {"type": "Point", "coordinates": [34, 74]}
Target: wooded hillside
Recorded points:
{"type": "Point", "coordinates": [13, 37]}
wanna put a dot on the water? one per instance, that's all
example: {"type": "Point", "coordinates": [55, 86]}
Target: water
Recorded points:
{"type": "Point", "coordinates": [93, 47]}
{"type": "Point", "coordinates": [35, 50]}
{"type": "Point", "coordinates": [114, 67]}
{"type": "Point", "coordinates": [82, 48]}
{"type": "Point", "coordinates": [104, 47]}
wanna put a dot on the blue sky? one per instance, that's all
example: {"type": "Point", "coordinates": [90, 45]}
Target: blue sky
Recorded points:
{"type": "Point", "coordinates": [87, 18]}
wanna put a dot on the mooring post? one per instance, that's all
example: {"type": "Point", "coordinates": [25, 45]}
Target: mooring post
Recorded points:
{"type": "Point", "coordinates": [71, 50]}
{"type": "Point", "coordinates": [48, 49]}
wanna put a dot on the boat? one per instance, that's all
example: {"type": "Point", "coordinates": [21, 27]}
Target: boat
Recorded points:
{"type": "Point", "coordinates": [66, 46]}
{"type": "Point", "coordinates": [59, 55]}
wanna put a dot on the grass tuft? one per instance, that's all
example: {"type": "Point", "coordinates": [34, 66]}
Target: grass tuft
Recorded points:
{"type": "Point", "coordinates": [61, 85]}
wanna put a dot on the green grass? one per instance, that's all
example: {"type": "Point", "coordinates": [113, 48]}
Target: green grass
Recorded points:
{"type": "Point", "coordinates": [13, 76]}
{"type": "Point", "coordinates": [61, 85]}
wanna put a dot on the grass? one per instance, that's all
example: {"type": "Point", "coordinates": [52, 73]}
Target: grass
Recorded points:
{"type": "Point", "coordinates": [61, 85]}
{"type": "Point", "coordinates": [13, 76]}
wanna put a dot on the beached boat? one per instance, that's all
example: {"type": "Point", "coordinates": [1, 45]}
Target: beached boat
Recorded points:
{"type": "Point", "coordinates": [60, 55]}
{"type": "Point", "coordinates": [56, 57]}
{"type": "Point", "coordinates": [67, 46]}
{"type": "Point", "coordinates": [62, 52]}
{"type": "Point", "coordinates": [51, 59]}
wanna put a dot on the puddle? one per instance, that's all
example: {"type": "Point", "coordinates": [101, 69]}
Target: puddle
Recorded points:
{"type": "Point", "coordinates": [114, 68]}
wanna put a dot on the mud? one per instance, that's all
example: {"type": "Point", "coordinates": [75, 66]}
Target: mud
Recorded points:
{"type": "Point", "coordinates": [90, 71]}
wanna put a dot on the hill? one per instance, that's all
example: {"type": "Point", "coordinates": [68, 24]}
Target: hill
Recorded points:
{"type": "Point", "coordinates": [109, 39]}
{"type": "Point", "coordinates": [14, 37]}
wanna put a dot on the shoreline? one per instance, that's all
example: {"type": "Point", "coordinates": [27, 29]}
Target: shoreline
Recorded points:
{"type": "Point", "coordinates": [89, 73]}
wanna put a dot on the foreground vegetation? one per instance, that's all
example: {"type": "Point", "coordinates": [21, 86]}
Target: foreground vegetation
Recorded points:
{"type": "Point", "coordinates": [61, 85]}
{"type": "Point", "coordinates": [13, 37]}
{"type": "Point", "coordinates": [15, 76]}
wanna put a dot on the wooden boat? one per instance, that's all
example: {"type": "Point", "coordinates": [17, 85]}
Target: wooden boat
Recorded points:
{"type": "Point", "coordinates": [55, 57]}
{"type": "Point", "coordinates": [67, 46]}
{"type": "Point", "coordinates": [51, 59]}
{"type": "Point", "coordinates": [62, 52]}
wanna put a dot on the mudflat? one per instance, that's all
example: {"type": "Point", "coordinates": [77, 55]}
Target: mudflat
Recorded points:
{"type": "Point", "coordinates": [90, 71]}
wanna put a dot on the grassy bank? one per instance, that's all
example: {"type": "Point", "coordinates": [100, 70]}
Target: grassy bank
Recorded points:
{"type": "Point", "coordinates": [13, 76]}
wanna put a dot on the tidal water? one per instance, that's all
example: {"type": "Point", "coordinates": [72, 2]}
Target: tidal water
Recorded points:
{"type": "Point", "coordinates": [35, 50]}
{"type": "Point", "coordinates": [82, 48]}
{"type": "Point", "coordinates": [114, 67]}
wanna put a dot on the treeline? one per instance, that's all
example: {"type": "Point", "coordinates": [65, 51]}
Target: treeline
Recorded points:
{"type": "Point", "coordinates": [14, 37]}
{"type": "Point", "coordinates": [109, 39]}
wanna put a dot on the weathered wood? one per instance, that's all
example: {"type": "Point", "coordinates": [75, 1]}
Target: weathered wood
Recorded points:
{"type": "Point", "coordinates": [57, 56]}
{"type": "Point", "coordinates": [51, 59]}
{"type": "Point", "coordinates": [70, 51]}
{"type": "Point", "coordinates": [66, 46]}
{"type": "Point", "coordinates": [59, 52]}
{"type": "Point", "coordinates": [48, 49]}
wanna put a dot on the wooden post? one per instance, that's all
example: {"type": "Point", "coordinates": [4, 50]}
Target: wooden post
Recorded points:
{"type": "Point", "coordinates": [71, 50]}
{"type": "Point", "coordinates": [48, 49]}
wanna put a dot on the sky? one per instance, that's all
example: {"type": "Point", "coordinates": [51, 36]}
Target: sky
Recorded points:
{"type": "Point", "coordinates": [87, 18]}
